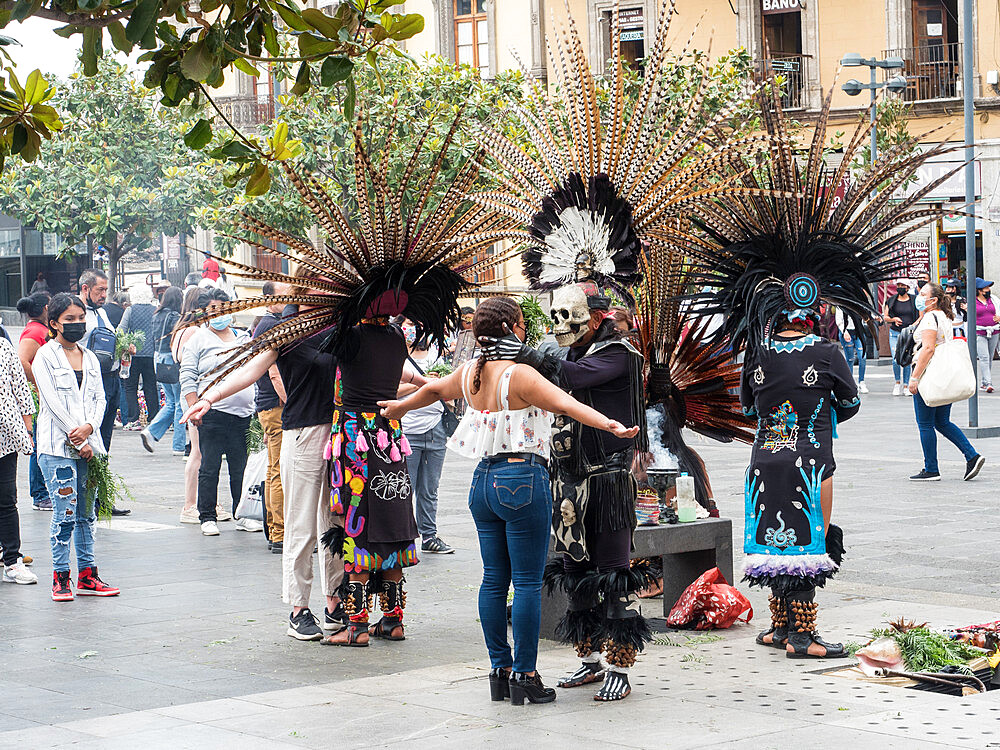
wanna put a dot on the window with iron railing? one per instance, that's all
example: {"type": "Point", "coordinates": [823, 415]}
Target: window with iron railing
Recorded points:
{"type": "Point", "coordinates": [791, 71]}
{"type": "Point", "coordinates": [932, 71]}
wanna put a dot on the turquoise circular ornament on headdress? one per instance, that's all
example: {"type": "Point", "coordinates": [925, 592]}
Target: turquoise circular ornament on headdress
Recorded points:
{"type": "Point", "coordinates": [802, 291]}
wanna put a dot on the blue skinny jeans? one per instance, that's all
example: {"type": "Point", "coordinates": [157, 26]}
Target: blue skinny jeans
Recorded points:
{"type": "Point", "coordinates": [171, 413]}
{"type": "Point", "coordinates": [66, 479]}
{"type": "Point", "coordinates": [931, 419]}
{"type": "Point", "coordinates": [511, 504]}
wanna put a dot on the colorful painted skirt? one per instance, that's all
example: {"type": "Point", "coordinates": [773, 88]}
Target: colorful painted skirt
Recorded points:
{"type": "Point", "coordinates": [370, 489]}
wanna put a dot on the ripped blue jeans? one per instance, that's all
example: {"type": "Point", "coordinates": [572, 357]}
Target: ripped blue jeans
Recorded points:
{"type": "Point", "coordinates": [66, 480]}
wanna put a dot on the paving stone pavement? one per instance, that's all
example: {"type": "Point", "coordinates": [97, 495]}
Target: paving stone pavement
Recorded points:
{"type": "Point", "coordinates": [193, 653]}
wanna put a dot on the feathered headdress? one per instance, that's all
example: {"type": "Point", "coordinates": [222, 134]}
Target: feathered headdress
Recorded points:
{"type": "Point", "coordinates": [693, 375]}
{"type": "Point", "coordinates": [783, 251]}
{"type": "Point", "coordinates": [587, 189]}
{"type": "Point", "coordinates": [406, 251]}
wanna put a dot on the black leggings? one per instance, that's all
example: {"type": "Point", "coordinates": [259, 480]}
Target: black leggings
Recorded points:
{"type": "Point", "coordinates": [142, 367]}
{"type": "Point", "coordinates": [10, 526]}
{"type": "Point", "coordinates": [607, 550]}
{"type": "Point", "coordinates": [220, 433]}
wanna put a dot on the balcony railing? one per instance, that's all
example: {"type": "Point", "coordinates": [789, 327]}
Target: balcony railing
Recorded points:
{"type": "Point", "coordinates": [792, 71]}
{"type": "Point", "coordinates": [245, 111]}
{"type": "Point", "coordinates": [932, 71]}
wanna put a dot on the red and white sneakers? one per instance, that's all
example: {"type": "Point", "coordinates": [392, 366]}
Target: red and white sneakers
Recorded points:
{"type": "Point", "coordinates": [88, 584]}
{"type": "Point", "coordinates": [62, 591]}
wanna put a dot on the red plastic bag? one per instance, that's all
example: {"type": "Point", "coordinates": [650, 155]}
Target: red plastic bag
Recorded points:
{"type": "Point", "coordinates": [709, 603]}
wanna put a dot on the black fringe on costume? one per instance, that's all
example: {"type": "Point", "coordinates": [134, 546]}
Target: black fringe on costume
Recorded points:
{"type": "Point", "coordinates": [554, 577]}
{"type": "Point", "coordinates": [578, 627]}
{"type": "Point", "coordinates": [333, 540]}
{"type": "Point", "coordinates": [617, 582]}
{"type": "Point", "coordinates": [632, 631]}
{"type": "Point", "coordinates": [612, 499]}
{"type": "Point", "coordinates": [783, 585]}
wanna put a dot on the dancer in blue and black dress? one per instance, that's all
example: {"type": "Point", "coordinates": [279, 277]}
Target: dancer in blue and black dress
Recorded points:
{"type": "Point", "coordinates": [798, 386]}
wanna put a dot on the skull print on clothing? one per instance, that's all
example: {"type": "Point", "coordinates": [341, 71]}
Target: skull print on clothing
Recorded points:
{"type": "Point", "coordinates": [570, 315]}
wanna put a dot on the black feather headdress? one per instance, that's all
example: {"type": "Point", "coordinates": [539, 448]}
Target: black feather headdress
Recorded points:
{"type": "Point", "coordinates": [785, 249]}
{"type": "Point", "coordinates": [586, 187]}
{"type": "Point", "coordinates": [410, 249]}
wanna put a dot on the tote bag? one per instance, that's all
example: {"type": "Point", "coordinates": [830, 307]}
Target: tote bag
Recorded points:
{"type": "Point", "coordinates": [949, 376]}
{"type": "Point", "coordinates": [166, 368]}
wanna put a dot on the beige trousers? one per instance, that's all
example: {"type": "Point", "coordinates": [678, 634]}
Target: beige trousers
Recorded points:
{"type": "Point", "coordinates": [305, 480]}
{"type": "Point", "coordinates": [274, 498]}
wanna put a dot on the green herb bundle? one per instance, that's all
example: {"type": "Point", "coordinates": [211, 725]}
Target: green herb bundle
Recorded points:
{"type": "Point", "coordinates": [126, 339]}
{"type": "Point", "coordinates": [925, 650]}
{"type": "Point", "coordinates": [255, 436]}
{"type": "Point", "coordinates": [535, 320]}
{"type": "Point", "coordinates": [104, 487]}
{"type": "Point", "coordinates": [441, 369]}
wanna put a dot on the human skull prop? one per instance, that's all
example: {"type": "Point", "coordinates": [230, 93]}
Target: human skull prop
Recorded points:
{"type": "Point", "coordinates": [568, 512]}
{"type": "Point", "coordinates": [570, 314]}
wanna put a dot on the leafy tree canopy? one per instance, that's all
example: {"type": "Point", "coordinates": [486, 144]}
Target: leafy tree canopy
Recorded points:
{"type": "Point", "coordinates": [118, 172]}
{"type": "Point", "coordinates": [191, 44]}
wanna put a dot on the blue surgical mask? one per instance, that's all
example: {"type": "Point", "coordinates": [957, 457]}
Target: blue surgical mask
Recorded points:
{"type": "Point", "coordinates": [221, 323]}
{"type": "Point", "coordinates": [921, 302]}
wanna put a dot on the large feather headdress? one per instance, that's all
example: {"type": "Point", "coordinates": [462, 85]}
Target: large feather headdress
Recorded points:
{"type": "Point", "coordinates": [587, 188]}
{"type": "Point", "coordinates": [409, 249]}
{"type": "Point", "coordinates": [785, 249]}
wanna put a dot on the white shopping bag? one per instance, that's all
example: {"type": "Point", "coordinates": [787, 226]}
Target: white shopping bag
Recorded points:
{"type": "Point", "coordinates": [252, 498]}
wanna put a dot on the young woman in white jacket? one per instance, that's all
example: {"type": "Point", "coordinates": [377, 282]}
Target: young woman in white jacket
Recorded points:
{"type": "Point", "coordinates": [71, 408]}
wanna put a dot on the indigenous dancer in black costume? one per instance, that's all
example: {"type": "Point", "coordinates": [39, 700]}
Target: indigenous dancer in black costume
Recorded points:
{"type": "Point", "coordinates": [408, 251]}
{"type": "Point", "coordinates": [771, 261]}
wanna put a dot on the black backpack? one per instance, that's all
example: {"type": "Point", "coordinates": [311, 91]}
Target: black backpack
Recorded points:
{"type": "Point", "coordinates": [905, 346]}
{"type": "Point", "coordinates": [102, 342]}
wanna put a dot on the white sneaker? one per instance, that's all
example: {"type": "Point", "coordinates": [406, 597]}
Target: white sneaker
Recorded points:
{"type": "Point", "coordinates": [210, 528]}
{"type": "Point", "coordinates": [249, 524]}
{"type": "Point", "coordinates": [223, 514]}
{"type": "Point", "coordinates": [862, 388]}
{"type": "Point", "coordinates": [147, 440]}
{"type": "Point", "coordinates": [906, 389]}
{"type": "Point", "coordinates": [178, 453]}
{"type": "Point", "coordinates": [18, 573]}
{"type": "Point", "coordinates": [897, 390]}
{"type": "Point", "coordinates": [190, 515]}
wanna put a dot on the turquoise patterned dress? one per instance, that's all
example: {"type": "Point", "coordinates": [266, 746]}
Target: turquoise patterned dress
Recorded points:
{"type": "Point", "coordinates": [798, 388]}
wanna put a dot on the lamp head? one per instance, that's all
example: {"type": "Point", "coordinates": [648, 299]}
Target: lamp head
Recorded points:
{"type": "Point", "coordinates": [852, 60]}
{"type": "Point", "coordinates": [852, 88]}
{"type": "Point", "coordinates": [892, 63]}
{"type": "Point", "coordinates": [896, 83]}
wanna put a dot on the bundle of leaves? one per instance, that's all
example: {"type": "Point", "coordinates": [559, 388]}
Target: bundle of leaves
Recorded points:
{"type": "Point", "coordinates": [126, 339]}
{"type": "Point", "coordinates": [535, 320]}
{"type": "Point", "coordinates": [441, 369]}
{"type": "Point", "coordinates": [104, 487]}
{"type": "Point", "coordinates": [926, 650]}
{"type": "Point", "coordinates": [255, 436]}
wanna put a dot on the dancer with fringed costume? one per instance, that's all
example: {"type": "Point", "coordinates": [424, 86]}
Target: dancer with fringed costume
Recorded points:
{"type": "Point", "coordinates": [771, 261]}
{"type": "Point", "coordinates": [408, 250]}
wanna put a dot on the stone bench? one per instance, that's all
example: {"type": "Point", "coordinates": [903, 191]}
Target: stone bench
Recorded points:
{"type": "Point", "coordinates": [687, 549]}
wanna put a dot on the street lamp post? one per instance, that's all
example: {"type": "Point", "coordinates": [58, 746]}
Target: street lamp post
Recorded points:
{"type": "Point", "coordinates": [854, 87]}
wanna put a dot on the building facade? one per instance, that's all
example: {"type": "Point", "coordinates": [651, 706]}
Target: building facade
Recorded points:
{"type": "Point", "coordinates": [801, 40]}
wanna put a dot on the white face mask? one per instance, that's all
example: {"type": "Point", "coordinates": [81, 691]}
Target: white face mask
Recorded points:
{"type": "Point", "coordinates": [570, 315]}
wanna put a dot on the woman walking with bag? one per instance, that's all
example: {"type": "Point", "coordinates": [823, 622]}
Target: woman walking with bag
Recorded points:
{"type": "Point", "coordinates": [987, 332]}
{"type": "Point", "coordinates": [507, 427]}
{"type": "Point", "coordinates": [899, 312]}
{"type": "Point", "coordinates": [934, 329]}
{"type": "Point", "coordinates": [167, 371]}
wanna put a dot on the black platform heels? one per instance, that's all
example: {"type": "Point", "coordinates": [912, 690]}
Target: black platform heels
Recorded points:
{"type": "Point", "coordinates": [522, 686]}
{"type": "Point", "coordinates": [499, 684]}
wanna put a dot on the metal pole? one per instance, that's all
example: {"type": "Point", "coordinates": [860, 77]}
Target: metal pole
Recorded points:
{"type": "Point", "coordinates": [968, 70]}
{"type": "Point", "coordinates": [873, 113]}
